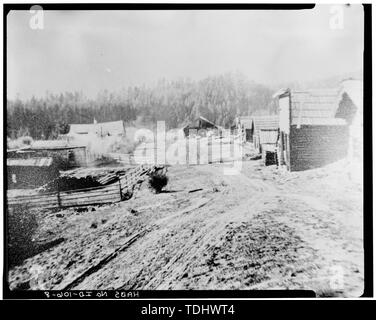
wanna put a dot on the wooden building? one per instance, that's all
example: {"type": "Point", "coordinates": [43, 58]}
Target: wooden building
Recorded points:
{"type": "Point", "coordinates": [31, 172]}
{"type": "Point", "coordinates": [100, 129]}
{"type": "Point", "coordinates": [267, 123]}
{"type": "Point", "coordinates": [314, 128]}
{"type": "Point", "coordinates": [65, 156]}
{"type": "Point", "coordinates": [268, 145]}
{"type": "Point", "coordinates": [244, 126]}
{"type": "Point", "coordinates": [201, 126]}
{"type": "Point", "coordinates": [250, 126]}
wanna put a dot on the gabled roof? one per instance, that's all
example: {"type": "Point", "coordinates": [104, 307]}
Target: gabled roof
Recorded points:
{"type": "Point", "coordinates": [103, 128]}
{"type": "Point", "coordinates": [112, 127]}
{"type": "Point", "coordinates": [314, 107]}
{"type": "Point", "coordinates": [194, 123]}
{"type": "Point", "coordinates": [81, 128]}
{"type": "Point", "coordinates": [281, 92]}
{"type": "Point", "coordinates": [17, 149]}
{"type": "Point", "coordinates": [266, 122]}
{"type": "Point", "coordinates": [314, 103]}
{"type": "Point", "coordinates": [31, 162]}
{"type": "Point", "coordinates": [245, 121]}
{"type": "Point", "coordinates": [51, 145]}
{"type": "Point", "coordinates": [208, 121]}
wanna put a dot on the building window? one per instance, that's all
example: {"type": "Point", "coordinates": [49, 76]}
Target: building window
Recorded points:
{"type": "Point", "coordinates": [14, 178]}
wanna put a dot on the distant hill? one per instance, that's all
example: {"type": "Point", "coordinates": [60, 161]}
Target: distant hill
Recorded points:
{"type": "Point", "coordinates": [218, 98]}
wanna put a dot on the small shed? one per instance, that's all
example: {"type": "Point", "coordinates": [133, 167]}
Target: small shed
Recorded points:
{"type": "Point", "coordinates": [266, 123]}
{"type": "Point", "coordinates": [268, 145]}
{"type": "Point", "coordinates": [244, 126]}
{"type": "Point", "coordinates": [31, 172]}
{"type": "Point", "coordinates": [313, 132]}
{"type": "Point", "coordinates": [65, 155]}
{"type": "Point", "coordinates": [201, 126]}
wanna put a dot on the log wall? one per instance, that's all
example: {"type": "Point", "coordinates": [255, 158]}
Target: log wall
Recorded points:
{"type": "Point", "coordinates": [316, 146]}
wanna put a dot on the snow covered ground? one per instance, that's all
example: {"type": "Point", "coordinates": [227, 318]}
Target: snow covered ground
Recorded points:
{"type": "Point", "coordinates": [264, 228]}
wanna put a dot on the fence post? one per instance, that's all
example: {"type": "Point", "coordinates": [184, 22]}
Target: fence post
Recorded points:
{"type": "Point", "coordinates": [220, 151]}
{"type": "Point", "coordinates": [121, 195]}
{"type": "Point", "coordinates": [58, 195]}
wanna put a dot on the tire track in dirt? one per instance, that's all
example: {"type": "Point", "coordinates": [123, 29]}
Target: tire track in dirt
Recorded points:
{"type": "Point", "coordinates": [241, 199]}
{"type": "Point", "coordinates": [216, 224]}
{"type": "Point", "coordinates": [237, 209]}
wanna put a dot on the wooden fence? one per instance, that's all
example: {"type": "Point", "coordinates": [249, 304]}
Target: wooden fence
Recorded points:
{"type": "Point", "coordinates": [84, 197]}
{"type": "Point", "coordinates": [193, 151]}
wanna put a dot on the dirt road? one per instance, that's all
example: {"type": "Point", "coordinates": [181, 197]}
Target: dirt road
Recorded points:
{"type": "Point", "coordinates": [261, 229]}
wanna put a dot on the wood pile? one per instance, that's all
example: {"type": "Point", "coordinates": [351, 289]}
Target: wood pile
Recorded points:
{"type": "Point", "coordinates": [109, 178]}
{"type": "Point", "coordinates": [83, 178]}
{"type": "Point", "coordinates": [101, 194]}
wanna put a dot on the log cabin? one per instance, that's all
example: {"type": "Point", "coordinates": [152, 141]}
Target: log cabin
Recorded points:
{"type": "Point", "coordinates": [314, 127]}
{"type": "Point", "coordinates": [200, 126]}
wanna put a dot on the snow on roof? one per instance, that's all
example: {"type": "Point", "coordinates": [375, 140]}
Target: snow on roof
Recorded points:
{"type": "Point", "coordinates": [245, 121]}
{"type": "Point", "coordinates": [320, 121]}
{"type": "Point", "coordinates": [315, 106]}
{"type": "Point", "coordinates": [208, 121]}
{"type": "Point", "coordinates": [31, 162]}
{"type": "Point", "coordinates": [102, 128]}
{"type": "Point", "coordinates": [266, 122]}
{"type": "Point", "coordinates": [52, 144]}
{"type": "Point", "coordinates": [280, 92]}
{"type": "Point", "coordinates": [81, 128]}
{"type": "Point", "coordinates": [195, 122]}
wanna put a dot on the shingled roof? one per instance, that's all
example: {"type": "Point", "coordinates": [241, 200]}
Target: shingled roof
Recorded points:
{"type": "Point", "coordinates": [266, 122]}
{"type": "Point", "coordinates": [102, 128]}
{"type": "Point", "coordinates": [195, 123]}
{"type": "Point", "coordinates": [245, 121]}
{"type": "Point", "coordinates": [315, 107]}
{"type": "Point", "coordinates": [31, 162]}
{"type": "Point", "coordinates": [52, 144]}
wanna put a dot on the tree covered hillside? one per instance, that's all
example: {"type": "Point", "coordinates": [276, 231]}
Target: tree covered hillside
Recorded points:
{"type": "Point", "coordinates": [218, 98]}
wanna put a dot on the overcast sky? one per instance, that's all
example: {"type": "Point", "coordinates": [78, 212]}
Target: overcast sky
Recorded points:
{"type": "Point", "coordinates": [94, 50]}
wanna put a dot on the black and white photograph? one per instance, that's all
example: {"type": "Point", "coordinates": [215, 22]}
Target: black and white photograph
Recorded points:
{"type": "Point", "coordinates": [184, 149]}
